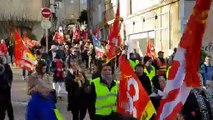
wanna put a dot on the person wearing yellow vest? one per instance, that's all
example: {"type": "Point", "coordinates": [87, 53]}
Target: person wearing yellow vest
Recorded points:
{"type": "Point", "coordinates": [167, 72]}
{"type": "Point", "coordinates": [133, 61]}
{"type": "Point", "coordinates": [104, 91]}
{"type": "Point", "coordinates": [148, 68]}
{"type": "Point", "coordinates": [160, 64]}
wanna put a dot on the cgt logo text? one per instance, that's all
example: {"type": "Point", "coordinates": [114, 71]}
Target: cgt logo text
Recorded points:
{"type": "Point", "coordinates": [132, 97]}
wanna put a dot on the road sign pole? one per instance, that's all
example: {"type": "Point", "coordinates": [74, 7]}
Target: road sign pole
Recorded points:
{"type": "Point", "coordinates": [46, 32]}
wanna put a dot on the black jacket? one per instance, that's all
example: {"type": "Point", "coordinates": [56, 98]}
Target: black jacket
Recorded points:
{"type": "Point", "coordinates": [76, 95]}
{"type": "Point", "coordinates": [146, 83]}
{"type": "Point", "coordinates": [5, 83]}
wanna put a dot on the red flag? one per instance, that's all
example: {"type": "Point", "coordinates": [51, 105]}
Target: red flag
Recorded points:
{"type": "Point", "coordinates": [76, 34]}
{"type": "Point", "coordinates": [132, 99]}
{"type": "Point", "coordinates": [85, 34]}
{"type": "Point", "coordinates": [184, 71]}
{"type": "Point", "coordinates": [150, 50]}
{"type": "Point", "coordinates": [59, 35]}
{"type": "Point", "coordinates": [23, 57]}
{"type": "Point", "coordinates": [114, 37]}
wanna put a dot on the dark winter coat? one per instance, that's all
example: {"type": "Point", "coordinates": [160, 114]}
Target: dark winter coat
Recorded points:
{"type": "Point", "coordinates": [77, 96]}
{"type": "Point", "coordinates": [146, 83]}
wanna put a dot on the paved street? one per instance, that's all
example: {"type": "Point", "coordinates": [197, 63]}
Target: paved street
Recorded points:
{"type": "Point", "coordinates": [20, 98]}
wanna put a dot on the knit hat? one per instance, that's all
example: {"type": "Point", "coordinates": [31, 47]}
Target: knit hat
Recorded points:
{"type": "Point", "coordinates": [146, 58]}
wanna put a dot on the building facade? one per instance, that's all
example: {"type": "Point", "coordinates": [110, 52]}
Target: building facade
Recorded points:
{"type": "Point", "coordinates": [21, 13]}
{"type": "Point", "coordinates": [66, 11]}
{"type": "Point", "coordinates": [157, 20]}
{"type": "Point", "coordinates": [96, 17]}
{"type": "Point", "coordinates": [163, 21]}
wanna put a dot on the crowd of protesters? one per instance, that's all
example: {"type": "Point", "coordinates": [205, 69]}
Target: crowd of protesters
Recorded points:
{"type": "Point", "coordinates": [69, 60]}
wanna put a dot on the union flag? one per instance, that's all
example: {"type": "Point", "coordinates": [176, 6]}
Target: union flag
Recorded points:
{"type": "Point", "coordinates": [113, 47]}
{"type": "Point", "coordinates": [150, 50]}
{"type": "Point", "coordinates": [23, 56]}
{"type": "Point", "coordinates": [133, 100]}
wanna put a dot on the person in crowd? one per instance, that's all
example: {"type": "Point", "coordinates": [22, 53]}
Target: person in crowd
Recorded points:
{"type": "Point", "coordinates": [206, 70]}
{"type": "Point", "coordinates": [103, 96]}
{"type": "Point", "coordinates": [67, 50]}
{"type": "Point", "coordinates": [6, 76]}
{"type": "Point", "coordinates": [38, 55]}
{"type": "Point", "coordinates": [160, 64]}
{"type": "Point", "coordinates": [209, 87]}
{"type": "Point", "coordinates": [77, 88]}
{"type": "Point", "coordinates": [159, 83]}
{"type": "Point", "coordinates": [95, 71]}
{"type": "Point", "coordinates": [91, 54]}
{"type": "Point", "coordinates": [11, 51]}
{"type": "Point", "coordinates": [139, 70]}
{"type": "Point", "coordinates": [170, 60]}
{"type": "Point", "coordinates": [45, 56]}
{"type": "Point", "coordinates": [41, 104]}
{"type": "Point", "coordinates": [171, 57]}
{"type": "Point", "coordinates": [103, 109]}
{"type": "Point", "coordinates": [84, 54]}
{"type": "Point", "coordinates": [52, 52]}
{"type": "Point", "coordinates": [58, 68]}
{"type": "Point", "coordinates": [61, 52]}
{"type": "Point", "coordinates": [133, 61]}
{"type": "Point", "coordinates": [136, 54]}
{"type": "Point", "coordinates": [148, 68]}
{"type": "Point", "coordinates": [77, 52]}
{"type": "Point", "coordinates": [3, 48]}
{"type": "Point", "coordinates": [198, 105]}
{"type": "Point", "coordinates": [50, 41]}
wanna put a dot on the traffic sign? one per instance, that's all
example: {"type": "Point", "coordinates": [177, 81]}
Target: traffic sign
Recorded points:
{"type": "Point", "coordinates": [46, 12]}
{"type": "Point", "coordinates": [46, 24]}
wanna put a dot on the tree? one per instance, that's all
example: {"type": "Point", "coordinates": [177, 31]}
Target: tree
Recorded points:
{"type": "Point", "coordinates": [83, 17]}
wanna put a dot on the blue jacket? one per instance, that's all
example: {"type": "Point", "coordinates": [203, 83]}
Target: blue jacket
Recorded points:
{"type": "Point", "coordinates": [207, 72]}
{"type": "Point", "coordinates": [40, 108]}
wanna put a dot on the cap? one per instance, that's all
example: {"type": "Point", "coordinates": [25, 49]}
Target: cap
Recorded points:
{"type": "Point", "coordinates": [53, 47]}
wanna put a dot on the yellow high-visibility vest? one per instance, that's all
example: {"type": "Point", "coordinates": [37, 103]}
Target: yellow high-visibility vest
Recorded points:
{"type": "Point", "coordinates": [133, 63]}
{"type": "Point", "coordinates": [151, 74]}
{"type": "Point", "coordinates": [105, 99]}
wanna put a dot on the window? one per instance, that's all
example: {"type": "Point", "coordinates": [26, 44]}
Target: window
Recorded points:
{"type": "Point", "coordinates": [84, 2]}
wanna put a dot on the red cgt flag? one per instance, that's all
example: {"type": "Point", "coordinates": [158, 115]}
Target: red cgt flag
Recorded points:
{"type": "Point", "coordinates": [150, 50]}
{"type": "Point", "coordinates": [132, 99]}
{"type": "Point", "coordinates": [114, 38]}
{"type": "Point", "coordinates": [23, 57]}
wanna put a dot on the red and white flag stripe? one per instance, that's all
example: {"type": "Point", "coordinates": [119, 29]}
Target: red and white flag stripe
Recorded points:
{"type": "Point", "coordinates": [176, 90]}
